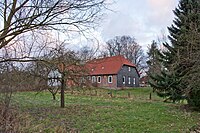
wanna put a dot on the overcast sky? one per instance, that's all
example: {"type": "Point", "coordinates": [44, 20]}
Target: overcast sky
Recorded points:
{"type": "Point", "coordinates": [142, 19]}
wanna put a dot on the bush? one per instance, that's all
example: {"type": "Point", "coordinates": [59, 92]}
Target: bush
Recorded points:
{"type": "Point", "coordinates": [194, 98]}
{"type": "Point", "coordinates": [8, 116]}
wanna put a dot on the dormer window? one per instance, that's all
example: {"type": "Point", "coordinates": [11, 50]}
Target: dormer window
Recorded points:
{"type": "Point", "coordinates": [102, 67]}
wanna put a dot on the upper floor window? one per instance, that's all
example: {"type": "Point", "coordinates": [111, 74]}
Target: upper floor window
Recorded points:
{"type": "Point", "coordinates": [129, 69]}
{"type": "Point", "coordinates": [109, 79]}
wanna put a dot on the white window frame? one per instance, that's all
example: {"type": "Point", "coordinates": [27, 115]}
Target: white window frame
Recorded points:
{"type": "Point", "coordinates": [129, 69]}
{"type": "Point", "coordinates": [109, 78]}
{"type": "Point", "coordinates": [129, 80]}
{"type": "Point", "coordinates": [134, 81]}
{"type": "Point", "coordinates": [99, 81]}
{"type": "Point", "coordinates": [124, 80]}
{"type": "Point", "coordinates": [93, 79]}
{"type": "Point", "coordinates": [89, 77]}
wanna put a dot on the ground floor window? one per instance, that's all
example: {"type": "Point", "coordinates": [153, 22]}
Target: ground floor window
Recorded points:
{"type": "Point", "coordinates": [124, 80]}
{"type": "Point", "coordinates": [109, 79]}
{"type": "Point", "coordinates": [129, 80]}
{"type": "Point", "coordinates": [93, 79]}
{"type": "Point", "coordinates": [89, 78]}
{"type": "Point", "coordinates": [134, 81]}
{"type": "Point", "coordinates": [99, 79]}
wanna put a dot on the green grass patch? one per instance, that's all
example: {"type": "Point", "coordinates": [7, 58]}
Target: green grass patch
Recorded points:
{"type": "Point", "coordinates": [101, 113]}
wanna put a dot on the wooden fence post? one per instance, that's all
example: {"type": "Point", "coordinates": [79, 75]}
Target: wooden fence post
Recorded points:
{"type": "Point", "coordinates": [129, 95]}
{"type": "Point", "coordinates": [150, 96]}
{"type": "Point", "coordinates": [95, 92]}
{"type": "Point", "coordinates": [110, 93]}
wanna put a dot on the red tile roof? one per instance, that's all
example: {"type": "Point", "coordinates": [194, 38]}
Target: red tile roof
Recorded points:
{"type": "Point", "coordinates": [107, 65]}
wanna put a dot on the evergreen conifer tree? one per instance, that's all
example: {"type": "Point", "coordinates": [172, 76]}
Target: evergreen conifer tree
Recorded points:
{"type": "Point", "coordinates": [153, 62]}
{"type": "Point", "coordinates": [152, 57]}
{"type": "Point", "coordinates": [179, 57]}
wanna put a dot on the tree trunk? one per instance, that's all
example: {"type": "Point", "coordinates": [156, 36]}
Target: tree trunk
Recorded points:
{"type": "Point", "coordinates": [62, 94]}
{"type": "Point", "coordinates": [150, 96]}
{"type": "Point", "coordinates": [54, 96]}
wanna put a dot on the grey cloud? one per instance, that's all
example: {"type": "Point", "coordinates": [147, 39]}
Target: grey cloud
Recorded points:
{"type": "Point", "coordinates": [143, 19]}
{"type": "Point", "coordinates": [121, 24]}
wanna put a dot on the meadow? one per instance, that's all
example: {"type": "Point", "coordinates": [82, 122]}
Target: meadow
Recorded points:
{"type": "Point", "coordinates": [102, 110]}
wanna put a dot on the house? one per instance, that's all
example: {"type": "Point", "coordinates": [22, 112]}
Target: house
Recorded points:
{"type": "Point", "coordinates": [75, 75]}
{"type": "Point", "coordinates": [112, 72]}
{"type": "Point", "coordinates": [54, 78]}
{"type": "Point", "coordinates": [144, 81]}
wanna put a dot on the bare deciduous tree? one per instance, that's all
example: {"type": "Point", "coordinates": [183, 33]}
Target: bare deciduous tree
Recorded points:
{"type": "Point", "coordinates": [21, 16]}
{"type": "Point", "coordinates": [69, 67]}
{"type": "Point", "coordinates": [87, 53]}
{"type": "Point", "coordinates": [21, 24]}
{"type": "Point", "coordinates": [126, 46]}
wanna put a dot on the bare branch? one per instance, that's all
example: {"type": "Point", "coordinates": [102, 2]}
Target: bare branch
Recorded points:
{"type": "Point", "coordinates": [21, 16]}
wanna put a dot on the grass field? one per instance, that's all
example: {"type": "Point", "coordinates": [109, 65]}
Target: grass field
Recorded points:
{"type": "Point", "coordinates": [121, 113]}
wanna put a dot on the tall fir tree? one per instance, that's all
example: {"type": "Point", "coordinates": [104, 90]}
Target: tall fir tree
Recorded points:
{"type": "Point", "coordinates": [179, 57]}
{"type": "Point", "coordinates": [152, 61]}
{"type": "Point", "coordinates": [152, 57]}
{"type": "Point", "coordinates": [192, 78]}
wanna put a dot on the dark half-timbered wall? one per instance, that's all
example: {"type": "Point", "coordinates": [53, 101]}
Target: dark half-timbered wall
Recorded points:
{"type": "Point", "coordinates": [128, 74]}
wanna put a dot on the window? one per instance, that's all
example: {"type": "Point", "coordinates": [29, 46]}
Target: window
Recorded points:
{"type": "Point", "coordinates": [134, 81]}
{"type": "Point", "coordinates": [129, 69]}
{"type": "Point", "coordinates": [82, 80]}
{"type": "Point", "coordinates": [109, 79]}
{"type": "Point", "coordinates": [93, 79]}
{"type": "Point", "coordinates": [54, 81]}
{"type": "Point", "coordinates": [124, 79]}
{"type": "Point", "coordinates": [99, 79]}
{"type": "Point", "coordinates": [129, 80]}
